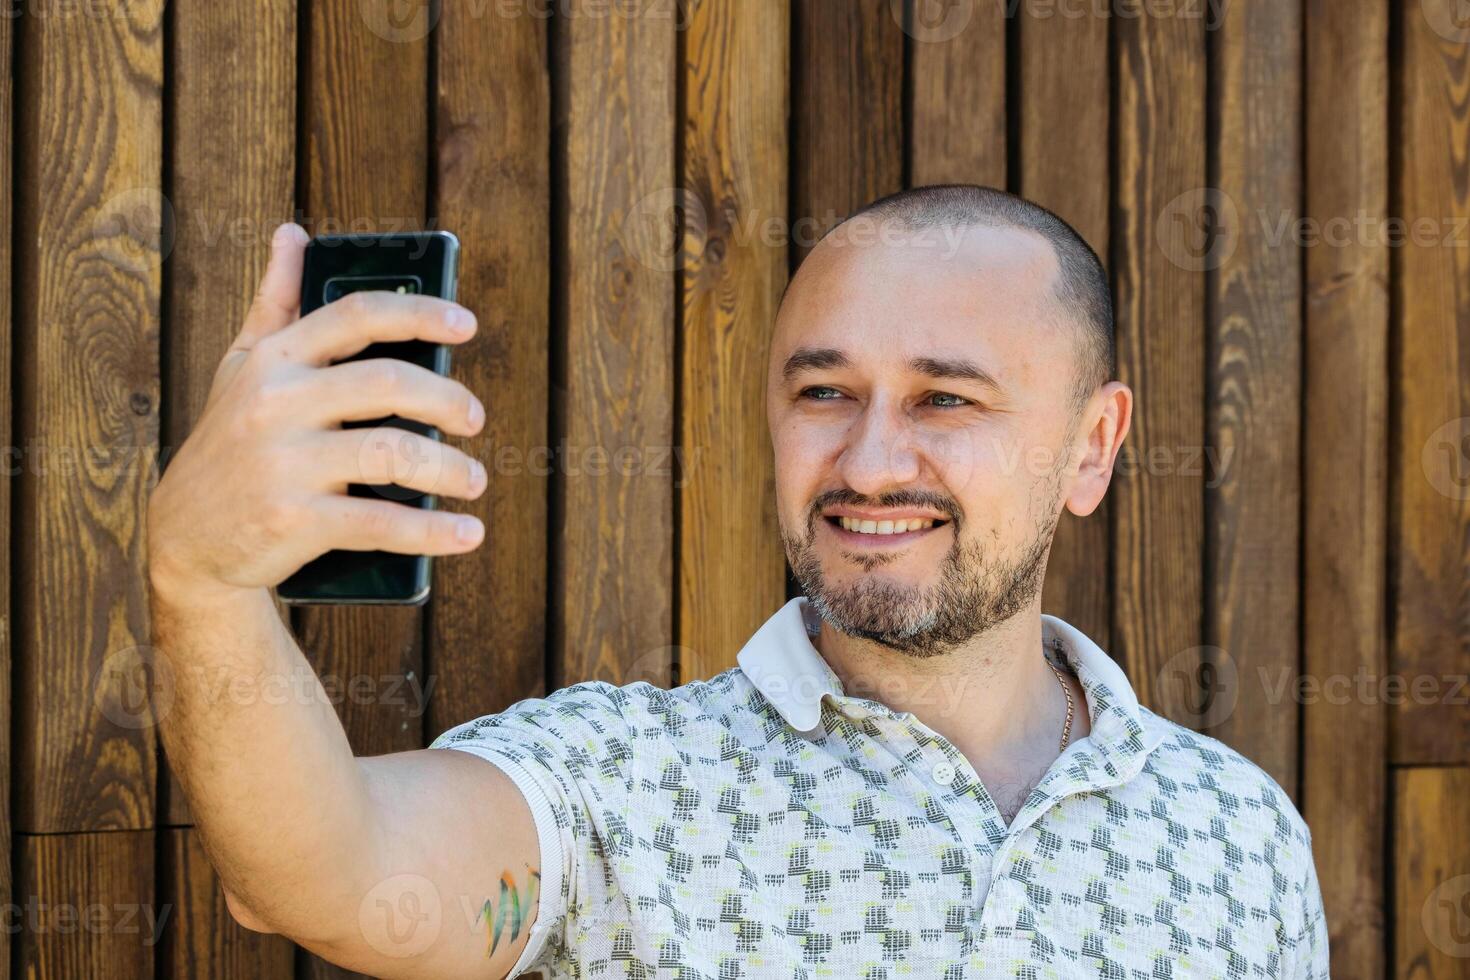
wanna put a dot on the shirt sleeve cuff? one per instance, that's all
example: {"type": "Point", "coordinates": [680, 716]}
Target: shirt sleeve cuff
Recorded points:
{"type": "Point", "coordinates": [547, 912]}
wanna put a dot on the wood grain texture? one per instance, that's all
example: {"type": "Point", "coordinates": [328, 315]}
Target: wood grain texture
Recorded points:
{"type": "Point", "coordinates": [88, 908]}
{"type": "Point", "coordinates": [88, 219]}
{"type": "Point", "coordinates": [201, 940]}
{"type": "Point", "coordinates": [1431, 857]}
{"type": "Point", "coordinates": [847, 112]}
{"type": "Point", "coordinates": [1064, 165]}
{"type": "Point", "coordinates": [957, 114]}
{"type": "Point", "coordinates": [1253, 498]}
{"type": "Point", "coordinates": [1158, 489]}
{"type": "Point", "coordinates": [613, 576]}
{"type": "Point", "coordinates": [7, 184]}
{"type": "Point", "coordinates": [493, 121]}
{"type": "Point", "coordinates": [365, 86]}
{"type": "Point", "coordinates": [233, 69]}
{"type": "Point", "coordinates": [1344, 473]}
{"type": "Point", "coordinates": [365, 154]}
{"type": "Point", "coordinates": [1431, 376]}
{"type": "Point", "coordinates": [731, 565]}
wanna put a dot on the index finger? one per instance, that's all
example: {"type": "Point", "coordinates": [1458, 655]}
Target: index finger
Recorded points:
{"type": "Point", "coordinates": [344, 327]}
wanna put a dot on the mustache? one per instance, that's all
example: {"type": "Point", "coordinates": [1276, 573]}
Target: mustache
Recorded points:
{"type": "Point", "coordinates": [893, 498]}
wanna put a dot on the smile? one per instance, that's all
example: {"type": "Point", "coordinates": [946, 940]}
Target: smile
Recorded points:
{"type": "Point", "coordinates": [886, 533]}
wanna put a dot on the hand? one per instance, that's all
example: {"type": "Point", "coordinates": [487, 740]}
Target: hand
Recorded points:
{"type": "Point", "coordinates": [259, 488]}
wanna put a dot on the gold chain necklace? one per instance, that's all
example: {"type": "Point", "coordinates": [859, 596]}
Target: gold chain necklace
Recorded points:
{"type": "Point", "coordinates": [1067, 728]}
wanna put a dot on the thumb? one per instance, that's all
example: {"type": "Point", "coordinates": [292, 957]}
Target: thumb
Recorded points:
{"type": "Point", "coordinates": [277, 302]}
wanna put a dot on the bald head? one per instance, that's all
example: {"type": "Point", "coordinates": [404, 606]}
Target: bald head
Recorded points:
{"type": "Point", "coordinates": [1078, 292]}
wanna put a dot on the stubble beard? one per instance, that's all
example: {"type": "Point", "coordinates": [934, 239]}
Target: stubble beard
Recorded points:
{"type": "Point", "coordinates": [976, 591]}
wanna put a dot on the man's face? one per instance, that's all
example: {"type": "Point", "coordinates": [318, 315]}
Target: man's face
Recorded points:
{"type": "Point", "coordinates": [923, 379]}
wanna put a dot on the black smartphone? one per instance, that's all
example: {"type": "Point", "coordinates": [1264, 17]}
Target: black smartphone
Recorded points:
{"type": "Point", "coordinates": [426, 263]}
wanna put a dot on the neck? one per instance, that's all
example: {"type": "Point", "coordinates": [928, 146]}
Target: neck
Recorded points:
{"type": "Point", "coordinates": [995, 698]}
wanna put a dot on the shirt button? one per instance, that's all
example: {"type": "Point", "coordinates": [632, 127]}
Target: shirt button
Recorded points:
{"type": "Point", "coordinates": [943, 773]}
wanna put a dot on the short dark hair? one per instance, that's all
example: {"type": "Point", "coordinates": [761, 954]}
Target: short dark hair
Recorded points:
{"type": "Point", "coordinates": [1081, 289]}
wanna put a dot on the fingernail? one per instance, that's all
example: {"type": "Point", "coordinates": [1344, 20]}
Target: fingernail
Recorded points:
{"type": "Point", "coordinates": [460, 320]}
{"type": "Point", "coordinates": [477, 412]}
{"type": "Point", "coordinates": [468, 529]}
{"type": "Point", "coordinates": [477, 475]}
{"type": "Point", "coordinates": [288, 233]}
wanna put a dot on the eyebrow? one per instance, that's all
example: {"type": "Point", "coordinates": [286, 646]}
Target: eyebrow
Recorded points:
{"type": "Point", "coordinates": [945, 368]}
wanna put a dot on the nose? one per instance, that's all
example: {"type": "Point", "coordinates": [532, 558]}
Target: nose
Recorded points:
{"type": "Point", "coordinates": [880, 453]}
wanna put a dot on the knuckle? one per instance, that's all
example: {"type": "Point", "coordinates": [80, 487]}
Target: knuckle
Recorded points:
{"type": "Point", "coordinates": [464, 472]}
{"type": "Point", "coordinates": [258, 412]}
{"type": "Point", "coordinates": [464, 399]}
{"type": "Point", "coordinates": [439, 530]}
{"type": "Point", "coordinates": [385, 375]}
{"type": "Point", "coordinates": [266, 351]}
{"type": "Point", "coordinates": [354, 305]}
{"type": "Point", "coordinates": [279, 515]}
{"type": "Point", "coordinates": [267, 401]}
{"type": "Point", "coordinates": [274, 468]}
{"type": "Point", "coordinates": [380, 523]}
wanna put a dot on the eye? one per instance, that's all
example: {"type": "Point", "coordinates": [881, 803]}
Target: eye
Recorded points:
{"type": "Point", "coordinates": [816, 393]}
{"type": "Point", "coordinates": [956, 403]}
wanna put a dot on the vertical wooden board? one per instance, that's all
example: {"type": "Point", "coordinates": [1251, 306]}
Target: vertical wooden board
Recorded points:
{"type": "Point", "coordinates": [1431, 857]}
{"type": "Point", "coordinates": [365, 112]}
{"type": "Point", "coordinates": [1431, 375]}
{"type": "Point", "coordinates": [1158, 491]}
{"type": "Point", "coordinates": [201, 940]}
{"type": "Point", "coordinates": [233, 69]}
{"type": "Point", "coordinates": [731, 566]}
{"type": "Point", "coordinates": [365, 108]}
{"type": "Point", "coordinates": [957, 113]}
{"type": "Point", "coordinates": [85, 905]}
{"type": "Point", "coordinates": [1345, 473]}
{"type": "Point", "coordinates": [1253, 495]}
{"type": "Point", "coordinates": [612, 592]}
{"type": "Point", "coordinates": [88, 218]}
{"type": "Point", "coordinates": [1064, 118]}
{"type": "Point", "coordinates": [847, 112]}
{"type": "Point", "coordinates": [493, 145]}
{"type": "Point", "coordinates": [365, 153]}
{"type": "Point", "coordinates": [7, 183]}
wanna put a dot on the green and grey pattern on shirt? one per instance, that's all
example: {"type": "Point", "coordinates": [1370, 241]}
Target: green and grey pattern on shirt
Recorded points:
{"type": "Point", "coordinates": [699, 833]}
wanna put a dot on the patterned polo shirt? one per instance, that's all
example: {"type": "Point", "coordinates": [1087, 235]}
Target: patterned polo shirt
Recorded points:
{"type": "Point", "coordinates": [762, 823]}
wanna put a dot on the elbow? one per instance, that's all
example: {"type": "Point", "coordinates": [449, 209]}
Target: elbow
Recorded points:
{"type": "Point", "coordinates": [244, 916]}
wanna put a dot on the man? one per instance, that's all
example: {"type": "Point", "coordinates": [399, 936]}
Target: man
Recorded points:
{"type": "Point", "coordinates": [911, 771]}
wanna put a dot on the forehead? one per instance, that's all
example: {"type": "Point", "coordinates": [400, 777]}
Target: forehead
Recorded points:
{"type": "Point", "coordinates": [886, 298]}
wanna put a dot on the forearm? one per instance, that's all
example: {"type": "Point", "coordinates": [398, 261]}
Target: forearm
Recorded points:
{"type": "Point", "coordinates": [275, 791]}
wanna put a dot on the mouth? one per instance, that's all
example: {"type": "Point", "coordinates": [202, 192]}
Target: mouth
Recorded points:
{"type": "Point", "coordinates": [887, 534]}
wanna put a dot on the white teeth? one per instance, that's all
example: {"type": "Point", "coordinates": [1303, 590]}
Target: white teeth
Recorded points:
{"type": "Point", "coordinates": [885, 527]}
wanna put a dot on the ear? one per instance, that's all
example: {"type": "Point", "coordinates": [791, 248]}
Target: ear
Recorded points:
{"type": "Point", "coordinates": [1102, 429]}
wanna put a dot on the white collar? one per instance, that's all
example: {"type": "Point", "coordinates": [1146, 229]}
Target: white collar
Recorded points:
{"type": "Point", "coordinates": [789, 671]}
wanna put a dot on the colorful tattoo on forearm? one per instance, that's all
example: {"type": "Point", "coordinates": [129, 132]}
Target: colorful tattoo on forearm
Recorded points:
{"type": "Point", "coordinates": [506, 913]}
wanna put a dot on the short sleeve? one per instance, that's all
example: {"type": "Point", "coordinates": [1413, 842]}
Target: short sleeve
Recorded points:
{"type": "Point", "coordinates": [1309, 952]}
{"type": "Point", "coordinates": [568, 755]}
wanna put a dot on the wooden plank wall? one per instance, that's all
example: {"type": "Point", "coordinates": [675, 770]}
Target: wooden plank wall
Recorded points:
{"type": "Point", "coordinates": [1279, 189]}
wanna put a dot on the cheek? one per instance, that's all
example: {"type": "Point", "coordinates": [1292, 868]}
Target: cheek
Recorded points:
{"type": "Point", "coordinates": [986, 471]}
{"type": "Point", "coordinates": [798, 468]}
